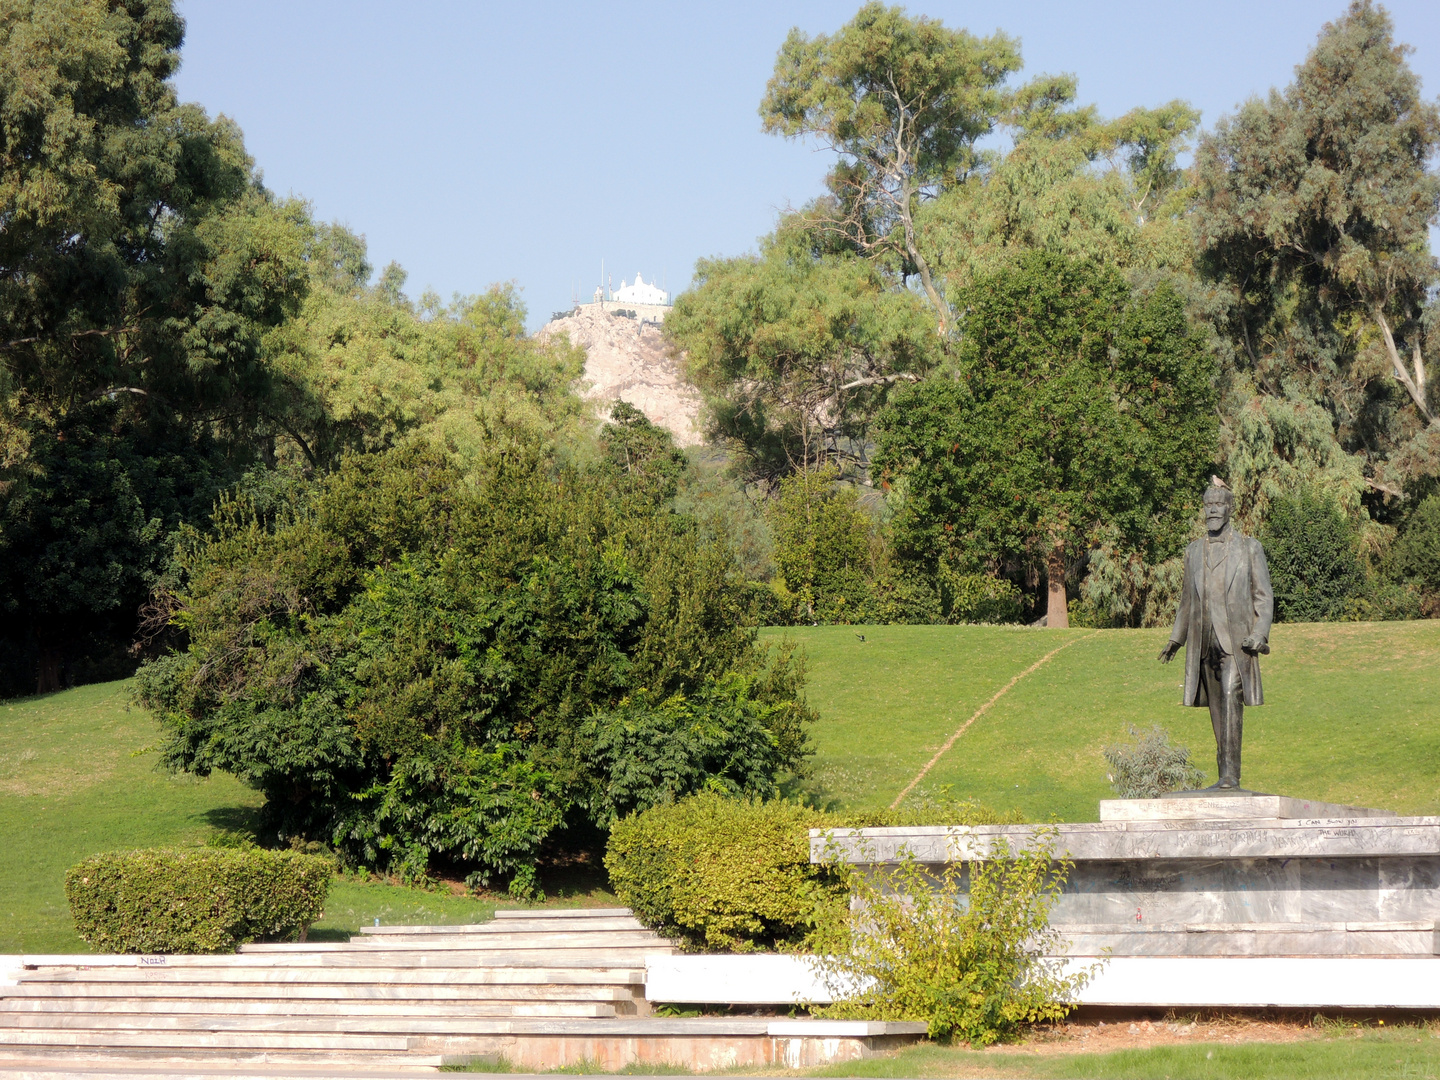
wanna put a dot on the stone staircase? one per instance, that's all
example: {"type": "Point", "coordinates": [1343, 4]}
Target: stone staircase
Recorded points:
{"type": "Point", "coordinates": [393, 996]}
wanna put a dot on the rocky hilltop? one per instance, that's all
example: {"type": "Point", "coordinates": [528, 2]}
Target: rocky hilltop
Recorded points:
{"type": "Point", "coordinates": [630, 359]}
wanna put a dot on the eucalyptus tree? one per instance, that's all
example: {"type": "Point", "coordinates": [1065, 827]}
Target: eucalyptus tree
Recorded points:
{"type": "Point", "coordinates": [1314, 207]}
{"type": "Point", "coordinates": [796, 349]}
{"type": "Point", "coordinates": [902, 101]}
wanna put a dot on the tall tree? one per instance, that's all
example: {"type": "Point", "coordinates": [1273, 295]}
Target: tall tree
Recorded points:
{"type": "Point", "coordinates": [141, 265]}
{"type": "Point", "coordinates": [1313, 214]}
{"type": "Point", "coordinates": [1073, 184]}
{"type": "Point", "coordinates": [797, 349]}
{"type": "Point", "coordinates": [902, 101]}
{"type": "Point", "coordinates": [1075, 404]}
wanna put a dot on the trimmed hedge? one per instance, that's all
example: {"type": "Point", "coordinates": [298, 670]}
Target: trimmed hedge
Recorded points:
{"type": "Point", "coordinates": [734, 875]}
{"type": "Point", "coordinates": [196, 900]}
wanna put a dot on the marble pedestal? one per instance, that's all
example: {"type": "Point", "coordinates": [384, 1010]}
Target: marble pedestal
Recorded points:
{"type": "Point", "coordinates": [1236, 875]}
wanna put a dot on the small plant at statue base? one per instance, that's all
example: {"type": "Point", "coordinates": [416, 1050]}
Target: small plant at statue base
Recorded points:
{"type": "Point", "coordinates": [1150, 765]}
{"type": "Point", "coordinates": [964, 950]}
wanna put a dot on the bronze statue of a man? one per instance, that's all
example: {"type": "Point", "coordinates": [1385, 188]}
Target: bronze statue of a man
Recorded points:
{"type": "Point", "coordinates": [1226, 607]}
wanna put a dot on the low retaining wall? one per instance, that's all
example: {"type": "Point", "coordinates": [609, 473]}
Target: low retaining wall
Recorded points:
{"type": "Point", "coordinates": [1181, 982]}
{"type": "Point", "coordinates": [1245, 875]}
{"type": "Point", "coordinates": [702, 1044]}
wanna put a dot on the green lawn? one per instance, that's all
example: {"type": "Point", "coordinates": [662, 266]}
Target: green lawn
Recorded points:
{"type": "Point", "coordinates": [1373, 1055]}
{"type": "Point", "coordinates": [1409, 1052]}
{"type": "Point", "coordinates": [1352, 719]}
{"type": "Point", "coordinates": [76, 778]}
{"type": "Point", "coordinates": [1351, 714]}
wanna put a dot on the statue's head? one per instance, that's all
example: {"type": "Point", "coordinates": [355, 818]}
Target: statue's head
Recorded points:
{"type": "Point", "coordinates": [1219, 502]}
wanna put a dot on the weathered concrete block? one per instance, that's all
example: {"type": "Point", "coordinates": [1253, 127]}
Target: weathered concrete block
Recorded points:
{"type": "Point", "coordinates": [1314, 879]}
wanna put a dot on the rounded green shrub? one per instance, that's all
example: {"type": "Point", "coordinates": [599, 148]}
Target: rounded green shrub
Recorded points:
{"type": "Point", "coordinates": [1314, 559]}
{"type": "Point", "coordinates": [734, 875]}
{"type": "Point", "coordinates": [199, 900]}
{"type": "Point", "coordinates": [1418, 549]}
{"type": "Point", "coordinates": [721, 874]}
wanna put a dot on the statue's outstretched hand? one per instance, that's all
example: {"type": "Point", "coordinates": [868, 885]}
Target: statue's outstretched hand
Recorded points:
{"type": "Point", "coordinates": [1168, 652]}
{"type": "Point", "coordinates": [1254, 645]}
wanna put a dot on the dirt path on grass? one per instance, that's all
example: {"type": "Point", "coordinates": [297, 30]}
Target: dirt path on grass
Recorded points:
{"type": "Point", "coordinates": [982, 711]}
{"type": "Point", "coordinates": [1104, 1036]}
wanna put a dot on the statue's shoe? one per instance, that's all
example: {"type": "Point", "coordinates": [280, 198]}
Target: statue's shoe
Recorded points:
{"type": "Point", "coordinates": [1224, 784]}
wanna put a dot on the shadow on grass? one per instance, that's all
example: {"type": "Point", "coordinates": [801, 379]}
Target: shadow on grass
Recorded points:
{"type": "Point", "coordinates": [327, 934]}
{"type": "Point", "coordinates": [233, 819]}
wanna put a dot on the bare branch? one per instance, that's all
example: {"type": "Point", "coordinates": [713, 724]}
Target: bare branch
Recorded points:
{"type": "Point", "coordinates": [876, 380]}
{"type": "Point", "coordinates": [113, 331]}
{"type": "Point", "coordinates": [1416, 394]}
{"type": "Point", "coordinates": [1387, 489]}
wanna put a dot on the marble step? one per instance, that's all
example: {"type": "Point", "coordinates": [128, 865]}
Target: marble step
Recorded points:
{"type": "Point", "coordinates": [496, 976]}
{"type": "Point", "coordinates": [305, 957]}
{"type": "Point", "coordinates": [305, 992]}
{"type": "Point", "coordinates": [511, 926]}
{"type": "Point", "coordinates": [564, 913]}
{"type": "Point", "coordinates": [270, 1024]}
{"type": "Point", "coordinates": [29, 1069]}
{"type": "Point", "coordinates": [132, 1063]}
{"type": "Point", "coordinates": [523, 939]}
{"type": "Point", "coordinates": [374, 957]}
{"type": "Point", "coordinates": [135, 1008]}
{"type": "Point", "coordinates": [629, 956]}
{"type": "Point", "coordinates": [201, 1040]}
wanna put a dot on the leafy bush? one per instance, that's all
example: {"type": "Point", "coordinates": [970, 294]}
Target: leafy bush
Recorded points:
{"type": "Point", "coordinates": [822, 547]}
{"type": "Point", "coordinates": [906, 599]}
{"type": "Point", "coordinates": [963, 950]}
{"type": "Point", "coordinates": [1417, 552]}
{"type": "Point", "coordinates": [735, 874]}
{"type": "Point", "coordinates": [408, 662]}
{"type": "Point", "coordinates": [979, 598]}
{"type": "Point", "coordinates": [1315, 565]}
{"type": "Point", "coordinates": [1122, 589]}
{"type": "Point", "coordinates": [1150, 765]}
{"type": "Point", "coordinates": [718, 873]}
{"type": "Point", "coordinates": [203, 900]}
{"type": "Point", "coordinates": [650, 753]}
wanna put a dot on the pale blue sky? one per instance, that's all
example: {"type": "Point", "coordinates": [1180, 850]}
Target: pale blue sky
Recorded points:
{"type": "Point", "coordinates": [478, 142]}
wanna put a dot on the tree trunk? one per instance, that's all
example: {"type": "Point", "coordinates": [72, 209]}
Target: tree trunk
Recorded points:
{"type": "Point", "coordinates": [1057, 614]}
{"type": "Point", "coordinates": [47, 672]}
{"type": "Point", "coordinates": [912, 248]}
{"type": "Point", "coordinates": [1414, 385]}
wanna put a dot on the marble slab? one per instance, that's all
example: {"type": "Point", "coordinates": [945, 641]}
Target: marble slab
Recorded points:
{"type": "Point", "coordinates": [1278, 838]}
{"type": "Point", "coordinates": [1254, 806]}
{"type": "Point", "coordinates": [1181, 982]}
{"type": "Point", "coordinates": [1310, 878]}
{"type": "Point", "coordinates": [1255, 939]}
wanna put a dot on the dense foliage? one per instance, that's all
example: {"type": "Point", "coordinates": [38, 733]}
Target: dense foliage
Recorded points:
{"type": "Point", "coordinates": [421, 669]}
{"type": "Point", "coordinates": [966, 950]}
{"type": "Point", "coordinates": [195, 900]}
{"type": "Point", "coordinates": [1150, 765]}
{"type": "Point", "coordinates": [1075, 403]}
{"type": "Point", "coordinates": [1312, 550]}
{"type": "Point", "coordinates": [1312, 213]}
{"type": "Point", "coordinates": [719, 873]}
{"type": "Point", "coordinates": [1417, 555]}
{"type": "Point", "coordinates": [1284, 280]}
{"type": "Point", "coordinates": [166, 324]}
{"type": "Point", "coordinates": [796, 350]}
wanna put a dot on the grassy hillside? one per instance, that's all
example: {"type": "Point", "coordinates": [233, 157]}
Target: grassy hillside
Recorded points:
{"type": "Point", "coordinates": [1352, 714]}
{"type": "Point", "coordinates": [75, 778]}
{"type": "Point", "coordinates": [1352, 719]}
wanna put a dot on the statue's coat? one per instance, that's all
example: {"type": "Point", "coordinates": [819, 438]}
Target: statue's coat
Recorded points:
{"type": "Point", "coordinates": [1249, 609]}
